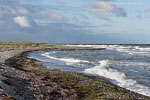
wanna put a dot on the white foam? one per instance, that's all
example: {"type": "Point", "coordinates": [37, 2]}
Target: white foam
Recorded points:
{"type": "Point", "coordinates": [142, 49]}
{"type": "Point", "coordinates": [118, 78]}
{"type": "Point", "coordinates": [120, 48]}
{"type": "Point", "coordinates": [47, 53]}
{"type": "Point", "coordinates": [68, 61]}
{"type": "Point", "coordinates": [130, 49]}
{"type": "Point", "coordinates": [103, 69]}
{"type": "Point", "coordinates": [93, 46]}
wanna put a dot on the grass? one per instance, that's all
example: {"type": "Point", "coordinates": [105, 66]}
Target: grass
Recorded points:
{"type": "Point", "coordinates": [12, 45]}
{"type": "Point", "coordinates": [29, 45]}
{"type": "Point", "coordinates": [87, 87]}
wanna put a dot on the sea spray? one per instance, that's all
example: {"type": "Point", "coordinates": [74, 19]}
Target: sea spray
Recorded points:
{"type": "Point", "coordinates": [127, 66]}
{"type": "Point", "coordinates": [103, 70]}
{"type": "Point", "coordinates": [117, 78]}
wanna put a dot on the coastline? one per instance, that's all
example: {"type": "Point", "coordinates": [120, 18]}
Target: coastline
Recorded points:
{"type": "Point", "coordinates": [54, 84]}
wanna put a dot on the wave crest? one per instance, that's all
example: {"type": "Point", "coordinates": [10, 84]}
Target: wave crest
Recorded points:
{"type": "Point", "coordinates": [118, 78]}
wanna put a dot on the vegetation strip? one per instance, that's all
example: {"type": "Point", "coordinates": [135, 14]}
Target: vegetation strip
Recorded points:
{"type": "Point", "coordinates": [58, 85]}
{"type": "Point", "coordinates": [72, 86]}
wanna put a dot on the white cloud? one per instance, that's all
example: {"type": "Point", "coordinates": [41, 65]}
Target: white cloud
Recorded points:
{"type": "Point", "coordinates": [22, 11]}
{"type": "Point", "coordinates": [6, 10]}
{"type": "Point", "coordinates": [105, 8]}
{"type": "Point", "coordinates": [56, 17]}
{"type": "Point", "coordinates": [46, 18]}
{"type": "Point", "coordinates": [22, 21]}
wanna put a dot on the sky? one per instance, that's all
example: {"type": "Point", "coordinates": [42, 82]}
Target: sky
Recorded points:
{"type": "Point", "coordinates": [75, 21]}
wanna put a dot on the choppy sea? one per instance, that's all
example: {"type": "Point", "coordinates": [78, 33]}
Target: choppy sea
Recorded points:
{"type": "Point", "coordinates": [127, 66]}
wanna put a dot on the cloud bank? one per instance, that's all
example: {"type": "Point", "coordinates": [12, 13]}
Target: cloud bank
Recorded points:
{"type": "Point", "coordinates": [104, 8]}
{"type": "Point", "coordinates": [74, 21]}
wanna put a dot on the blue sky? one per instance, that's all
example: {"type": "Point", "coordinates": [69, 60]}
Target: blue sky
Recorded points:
{"type": "Point", "coordinates": [75, 21]}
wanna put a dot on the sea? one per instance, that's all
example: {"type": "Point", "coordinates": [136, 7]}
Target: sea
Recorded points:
{"type": "Point", "coordinates": [127, 66]}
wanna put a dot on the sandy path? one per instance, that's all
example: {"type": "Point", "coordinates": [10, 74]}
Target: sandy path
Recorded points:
{"type": "Point", "coordinates": [13, 83]}
{"type": "Point", "coordinates": [7, 54]}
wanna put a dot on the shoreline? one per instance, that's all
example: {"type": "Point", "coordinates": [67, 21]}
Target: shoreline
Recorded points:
{"type": "Point", "coordinates": [45, 83]}
{"type": "Point", "coordinates": [80, 91]}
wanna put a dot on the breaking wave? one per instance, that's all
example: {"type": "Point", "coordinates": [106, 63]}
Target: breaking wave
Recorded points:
{"type": "Point", "coordinates": [127, 65]}
{"type": "Point", "coordinates": [117, 78]}
{"type": "Point", "coordinates": [68, 61]}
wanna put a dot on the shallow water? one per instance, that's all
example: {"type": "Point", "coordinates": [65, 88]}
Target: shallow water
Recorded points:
{"type": "Point", "coordinates": [127, 66]}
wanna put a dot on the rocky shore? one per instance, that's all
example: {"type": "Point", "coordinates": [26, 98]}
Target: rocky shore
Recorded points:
{"type": "Point", "coordinates": [22, 78]}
